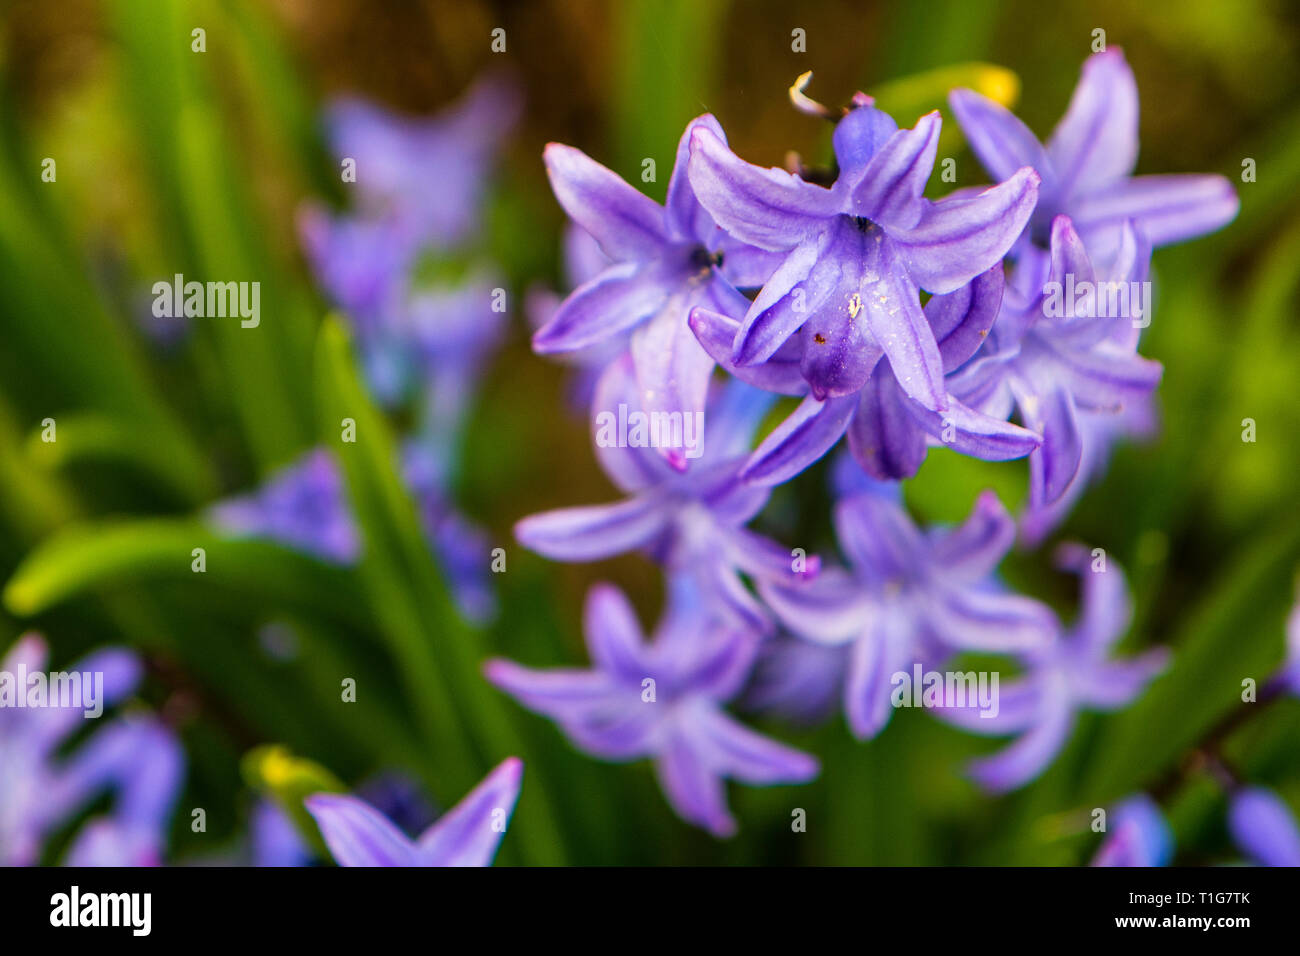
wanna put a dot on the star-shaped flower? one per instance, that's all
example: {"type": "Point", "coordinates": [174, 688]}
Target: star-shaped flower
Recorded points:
{"type": "Point", "coordinates": [665, 260]}
{"type": "Point", "coordinates": [692, 521]}
{"type": "Point", "coordinates": [1073, 673]}
{"type": "Point", "coordinates": [303, 506]}
{"type": "Point", "coordinates": [908, 597]}
{"type": "Point", "coordinates": [855, 255]}
{"type": "Point", "coordinates": [1087, 166]}
{"type": "Point", "coordinates": [466, 835]}
{"type": "Point", "coordinates": [662, 699]}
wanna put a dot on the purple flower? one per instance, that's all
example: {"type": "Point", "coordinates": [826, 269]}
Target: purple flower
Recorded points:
{"type": "Point", "coordinates": [855, 254]}
{"type": "Point", "coordinates": [690, 521]}
{"type": "Point", "coordinates": [273, 839]}
{"type": "Point", "coordinates": [1072, 673]}
{"type": "Point", "coordinates": [888, 430]}
{"type": "Point", "coordinates": [134, 757]}
{"type": "Point", "coordinates": [666, 260]}
{"type": "Point", "coordinates": [909, 597]}
{"type": "Point", "coordinates": [426, 177]}
{"type": "Point", "coordinates": [466, 835]}
{"type": "Point", "coordinates": [460, 547]}
{"type": "Point", "coordinates": [1087, 165]}
{"type": "Point", "coordinates": [302, 506]}
{"type": "Point", "coordinates": [799, 680]}
{"type": "Point", "coordinates": [1051, 362]}
{"type": "Point", "coordinates": [1263, 827]}
{"type": "Point", "coordinates": [1137, 835]}
{"type": "Point", "coordinates": [662, 699]}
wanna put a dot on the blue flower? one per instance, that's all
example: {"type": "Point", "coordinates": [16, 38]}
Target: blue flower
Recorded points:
{"type": "Point", "coordinates": [662, 699]}
{"type": "Point", "coordinates": [1136, 835]}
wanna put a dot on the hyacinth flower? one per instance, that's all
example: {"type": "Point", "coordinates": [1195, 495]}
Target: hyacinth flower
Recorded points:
{"type": "Point", "coordinates": [303, 506]}
{"type": "Point", "coordinates": [856, 255]}
{"type": "Point", "coordinates": [426, 178]}
{"type": "Point", "coordinates": [1049, 358]}
{"type": "Point", "coordinates": [1137, 835]}
{"type": "Point", "coordinates": [1087, 166]}
{"type": "Point", "coordinates": [909, 596]}
{"type": "Point", "coordinates": [692, 521]}
{"type": "Point", "coordinates": [460, 547]}
{"type": "Point", "coordinates": [1263, 827]}
{"type": "Point", "coordinates": [1073, 673]}
{"type": "Point", "coordinates": [888, 431]}
{"type": "Point", "coordinates": [135, 758]}
{"type": "Point", "coordinates": [583, 261]}
{"type": "Point", "coordinates": [466, 835]}
{"type": "Point", "coordinates": [662, 700]}
{"type": "Point", "coordinates": [665, 261]}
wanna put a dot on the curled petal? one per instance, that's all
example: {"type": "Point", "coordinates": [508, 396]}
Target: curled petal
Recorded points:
{"type": "Point", "coordinates": [1001, 141]}
{"type": "Point", "coordinates": [594, 532]}
{"type": "Point", "coordinates": [890, 189]}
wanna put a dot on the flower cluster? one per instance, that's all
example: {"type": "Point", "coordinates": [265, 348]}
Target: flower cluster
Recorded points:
{"type": "Point", "coordinates": [1002, 322]}
{"type": "Point", "coordinates": [134, 757]}
{"type": "Point", "coordinates": [426, 309]}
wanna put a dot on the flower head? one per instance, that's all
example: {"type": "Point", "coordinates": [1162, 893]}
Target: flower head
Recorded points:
{"type": "Point", "coordinates": [909, 596]}
{"type": "Point", "coordinates": [1087, 166]}
{"type": "Point", "coordinates": [662, 699]}
{"type": "Point", "coordinates": [856, 255]}
{"type": "Point", "coordinates": [1072, 673]}
{"type": "Point", "coordinates": [303, 506]}
{"type": "Point", "coordinates": [466, 835]}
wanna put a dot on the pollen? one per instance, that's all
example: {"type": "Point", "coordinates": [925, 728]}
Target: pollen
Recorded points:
{"type": "Point", "coordinates": [855, 305]}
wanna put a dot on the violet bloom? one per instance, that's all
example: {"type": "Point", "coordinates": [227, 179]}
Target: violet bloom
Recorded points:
{"type": "Point", "coordinates": [855, 255]}
{"type": "Point", "coordinates": [1087, 165]}
{"type": "Point", "coordinates": [666, 260]}
{"type": "Point", "coordinates": [1050, 362]}
{"type": "Point", "coordinates": [909, 596]}
{"type": "Point", "coordinates": [460, 547]}
{"type": "Point", "coordinates": [888, 430]}
{"type": "Point", "coordinates": [466, 835]}
{"type": "Point", "coordinates": [1136, 835]}
{"type": "Point", "coordinates": [1073, 673]}
{"type": "Point", "coordinates": [134, 757]}
{"type": "Point", "coordinates": [690, 521]}
{"type": "Point", "coordinates": [662, 699]}
{"type": "Point", "coordinates": [426, 177]}
{"type": "Point", "coordinates": [302, 506]}
{"type": "Point", "coordinates": [1263, 827]}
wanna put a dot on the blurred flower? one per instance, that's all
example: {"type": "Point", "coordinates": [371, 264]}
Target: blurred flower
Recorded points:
{"type": "Point", "coordinates": [799, 680]}
{"type": "Point", "coordinates": [909, 596]}
{"type": "Point", "coordinates": [1263, 827]}
{"type": "Point", "coordinates": [460, 548]}
{"type": "Point", "coordinates": [1049, 366]}
{"type": "Point", "coordinates": [690, 521]}
{"type": "Point", "coordinates": [302, 506]}
{"type": "Point", "coordinates": [273, 839]}
{"type": "Point", "coordinates": [888, 431]}
{"type": "Point", "coordinates": [855, 254]}
{"type": "Point", "coordinates": [426, 177]}
{"type": "Point", "coordinates": [1137, 835]}
{"type": "Point", "coordinates": [1070, 674]}
{"type": "Point", "coordinates": [666, 260]}
{"type": "Point", "coordinates": [466, 835]}
{"type": "Point", "coordinates": [1087, 166]}
{"type": "Point", "coordinates": [135, 757]}
{"type": "Point", "coordinates": [662, 699]}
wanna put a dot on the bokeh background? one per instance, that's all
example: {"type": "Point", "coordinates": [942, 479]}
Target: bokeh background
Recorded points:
{"type": "Point", "coordinates": [170, 161]}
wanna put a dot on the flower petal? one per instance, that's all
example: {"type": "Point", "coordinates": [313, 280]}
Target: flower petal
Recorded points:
{"type": "Point", "coordinates": [884, 437]}
{"type": "Point", "coordinates": [961, 320]}
{"type": "Point", "coordinates": [614, 636]}
{"type": "Point", "coordinates": [997, 137]}
{"type": "Point", "coordinates": [890, 189]}
{"type": "Point", "coordinates": [593, 532]}
{"type": "Point", "coordinates": [469, 833]}
{"type": "Point", "coordinates": [357, 834]}
{"type": "Point", "coordinates": [696, 793]}
{"type": "Point", "coordinates": [1096, 141]}
{"type": "Point", "coordinates": [741, 754]}
{"type": "Point", "coordinates": [626, 223]}
{"type": "Point", "coordinates": [1165, 209]}
{"type": "Point", "coordinates": [809, 432]}
{"type": "Point", "coordinates": [957, 239]}
{"type": "Point", "coordinates": [622, 296]}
